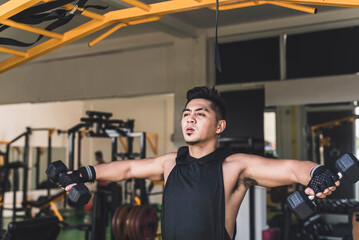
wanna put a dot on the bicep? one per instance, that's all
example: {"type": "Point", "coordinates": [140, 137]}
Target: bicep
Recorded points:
{"type": "Point", "coordinates": [144, 168]}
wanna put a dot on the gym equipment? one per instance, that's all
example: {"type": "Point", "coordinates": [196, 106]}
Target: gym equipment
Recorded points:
{"type": "Point", "coordinates": [100, 125]}
{"type": "Point", "coordinates": [135, 222]}
{"type": "Point", "coordinates": [7, 166]}
{"type": "Point", "coordinates": [303, 206]}
{"type": "Point", "coordinates": [34, 229]}
{"type": "Point", "coordinates": [79, 195]}
{"type": "Point", "coordinates": [44, 203]}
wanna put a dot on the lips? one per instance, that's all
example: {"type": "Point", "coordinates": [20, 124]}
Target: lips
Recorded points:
{"type": "Point", "coordinates": [189, 130]}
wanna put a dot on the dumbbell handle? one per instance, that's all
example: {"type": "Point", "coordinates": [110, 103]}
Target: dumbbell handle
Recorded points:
{"type": "Point", "coordinates": [340, 175]}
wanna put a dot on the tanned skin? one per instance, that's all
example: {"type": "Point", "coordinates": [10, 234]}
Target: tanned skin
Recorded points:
{"type": "Point", "coordinates": [200, 128]}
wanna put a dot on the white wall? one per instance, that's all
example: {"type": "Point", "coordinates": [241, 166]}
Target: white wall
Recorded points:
{"type": "Point", "coordinates": [152, 114]}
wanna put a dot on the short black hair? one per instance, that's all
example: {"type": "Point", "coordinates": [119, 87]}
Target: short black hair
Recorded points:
{"type": "Point", "coordinates": [210, 94]}
{"type": "Point", "coordinates": [98, 154]}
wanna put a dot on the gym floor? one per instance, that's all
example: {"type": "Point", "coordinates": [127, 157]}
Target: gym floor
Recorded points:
{"type": "Point", "coordinates": [72, 217]}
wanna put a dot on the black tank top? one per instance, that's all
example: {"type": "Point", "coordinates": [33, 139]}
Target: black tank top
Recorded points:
{"type": "Point", "coordinates": [193, 206]}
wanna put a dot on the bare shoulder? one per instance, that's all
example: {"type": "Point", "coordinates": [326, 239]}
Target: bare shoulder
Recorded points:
{"type": "Point", "coordinates": [236, 159]}
{"type": "Point", "coordinates": [234, 164]}
{"type": "Point", "coordinates": [168, 164]}
{"type": "Point", "coordinates": [167, 159]}
{"type": "Point", "coordinates": [242, 159]}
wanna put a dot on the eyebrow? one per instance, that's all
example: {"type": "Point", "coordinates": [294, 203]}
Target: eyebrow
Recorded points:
{"type": "Point", "coordinates": [198, 109]}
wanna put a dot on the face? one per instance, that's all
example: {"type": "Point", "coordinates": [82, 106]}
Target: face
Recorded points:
{"type": "Point", "coordinates": [199, 122]}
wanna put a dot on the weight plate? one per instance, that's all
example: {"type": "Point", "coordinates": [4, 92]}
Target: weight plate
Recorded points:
{"type": "Point", "coordinates": [121, 222]}
{"type": "Point", "coordinates": [130, 216]}
{"type": "Point", "coordinates": [146, 222]}
{"type": "Point", "coordinates": [114, 218]}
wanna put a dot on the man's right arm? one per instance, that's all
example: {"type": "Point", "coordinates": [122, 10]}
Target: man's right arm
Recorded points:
{"type": "Point", "coordinates": [150, 168]}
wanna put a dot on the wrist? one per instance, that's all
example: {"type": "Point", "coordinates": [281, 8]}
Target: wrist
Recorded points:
{"type": "Point", "coordinates": [88, 173]}
{"type": "Point", "coordinates": [313, 170]}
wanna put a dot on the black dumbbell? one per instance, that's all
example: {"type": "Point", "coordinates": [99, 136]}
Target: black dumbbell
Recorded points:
{"type": "Point", "coordinates": [303, 206]}
{"type": "Point", "coordinates": [79, 194]}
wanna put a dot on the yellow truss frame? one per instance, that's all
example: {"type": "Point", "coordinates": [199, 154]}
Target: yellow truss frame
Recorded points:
{"type": "Point", "coordinates": [136, 14]}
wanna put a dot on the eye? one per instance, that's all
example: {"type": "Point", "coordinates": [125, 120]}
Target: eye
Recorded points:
{"type": "Point", "coordinates": [185, 114]}
{"type": "Point", "coordinates": [200, 114]}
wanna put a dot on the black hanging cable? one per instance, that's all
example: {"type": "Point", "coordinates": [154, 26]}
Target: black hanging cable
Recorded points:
{"type": "Point", "coordinates": [52, 26]}
{"type": "Point", "coordinates": [217, 55]}
{"type": "Point", "coordinates": [34, 15]}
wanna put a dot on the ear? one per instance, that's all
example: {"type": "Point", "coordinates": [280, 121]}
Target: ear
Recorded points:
{"type": "Point", "coordinates": [221, 126]}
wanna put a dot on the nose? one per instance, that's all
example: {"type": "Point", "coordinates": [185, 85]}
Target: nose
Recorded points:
{"type": "Point", "coordinates": [190, 119]}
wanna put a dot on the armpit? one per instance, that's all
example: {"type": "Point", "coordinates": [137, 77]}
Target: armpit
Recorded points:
{"type": "Point", "coordinates": [246, 182]}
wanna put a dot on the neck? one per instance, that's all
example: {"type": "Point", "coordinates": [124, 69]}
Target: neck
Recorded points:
{"type": "Point", "coordinates": [200, 150]}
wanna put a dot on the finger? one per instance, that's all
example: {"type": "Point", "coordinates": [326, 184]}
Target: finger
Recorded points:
{"type": "Point", "coordinates": [332, 188]}
{"type": "Point", "coordinates": [68, 187]}
{"type": "Point", "coordinates": [320, 195]}
{"type": "Point", "coordinates": [337, 183]}
{"type": "Point", "coordinates": [309, 191]}
{"type": "Point", "coordinates": [329, 193]}
{"type": "Point", "coordinates": [326, 191]}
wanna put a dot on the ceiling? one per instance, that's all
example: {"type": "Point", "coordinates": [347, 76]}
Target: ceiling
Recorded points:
{"type": "Point", "coordinates": [181, 25]}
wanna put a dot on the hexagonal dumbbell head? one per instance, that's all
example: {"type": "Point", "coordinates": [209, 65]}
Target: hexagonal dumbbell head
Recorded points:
{"type": "Point", "coordinates": [300, 205]}
{"type": "Point", "coordinates": [348, 166]}
{"type": "Point", "coordinates": [79, 195]}
{"type": "Point", "coordinates": [54, 170]}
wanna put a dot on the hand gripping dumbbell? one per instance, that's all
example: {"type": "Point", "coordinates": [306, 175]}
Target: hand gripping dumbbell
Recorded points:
{"type": "Point", "coordinates": [303, 205]}
{"type": "Point", "coordinates": [79, 194]}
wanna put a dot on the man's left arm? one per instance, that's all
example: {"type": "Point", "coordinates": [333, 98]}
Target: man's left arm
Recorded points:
{"type": "Point", "coordinates": [277, 172]}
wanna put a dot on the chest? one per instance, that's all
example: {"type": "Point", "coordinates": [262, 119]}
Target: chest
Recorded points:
{"type": "Point", "coordinates": [195, 182]}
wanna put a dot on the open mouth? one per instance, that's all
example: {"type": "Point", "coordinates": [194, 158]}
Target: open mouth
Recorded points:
{"type": "Point", "coordinates": [189, 131]}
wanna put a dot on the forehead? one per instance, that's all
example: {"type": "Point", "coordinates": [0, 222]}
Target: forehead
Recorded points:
{"type": "Point", "coordinates": [199, 103]}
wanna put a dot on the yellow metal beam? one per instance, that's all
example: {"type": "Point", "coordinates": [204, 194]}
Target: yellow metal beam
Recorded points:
{"type": "Point", "coordinates": [333, 3]}
{"type": "Point", "coordinates": [52, 44]}
{"type": "Point", "coordinates": [86, 13]}
{"type": "Point", "coordinates": [294, 6]}
{"type": "Point", "coordinates": [13, 52]}
{"type": "Point", "coordinates": [31, 29]}
{"type": "Point", "coordinates": [12, 7]}
{"type": "Point", "coordinates": [140, 11]}
{"type": "Point", "coordinates": [145, 20]}
{"type": "Point", "coordinates": [121, 25]}
{"type": "Point", "coordinates": [138, 4]}
{"type": "Point", "coordinates": [123, 15]}
{"type": "Point", "coordinates": [106, 34]}
{"type": "Point", "coordinates": [238, 5]}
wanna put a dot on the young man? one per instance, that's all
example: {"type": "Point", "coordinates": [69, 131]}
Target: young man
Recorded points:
{"type": "Point", "coordinates": [204, 186]}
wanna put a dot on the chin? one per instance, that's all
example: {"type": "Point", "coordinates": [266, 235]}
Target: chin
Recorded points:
{"type": "Point", "coordinates": [192, 142]}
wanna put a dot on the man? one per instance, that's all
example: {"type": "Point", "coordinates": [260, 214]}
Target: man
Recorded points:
{"type": "Point", "coordinates": [99, 157]}
{"type": "Point", "coordinates": [204, 186]}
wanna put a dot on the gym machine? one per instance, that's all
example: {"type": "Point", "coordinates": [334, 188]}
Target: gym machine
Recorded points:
{"type": "Point", "coordinates": [100, 125]}
{"type": "Point", "coordinates": [15, 167]}
{"type": "Point", "coordinates": [34, 228]}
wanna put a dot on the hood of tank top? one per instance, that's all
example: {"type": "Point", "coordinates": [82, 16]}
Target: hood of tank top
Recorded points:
{"type": "Point", "coordinates": [183, 156]}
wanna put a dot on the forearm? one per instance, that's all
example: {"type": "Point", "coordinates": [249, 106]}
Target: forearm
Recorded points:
{"type": "Point", "coordinates": [301, 171]}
